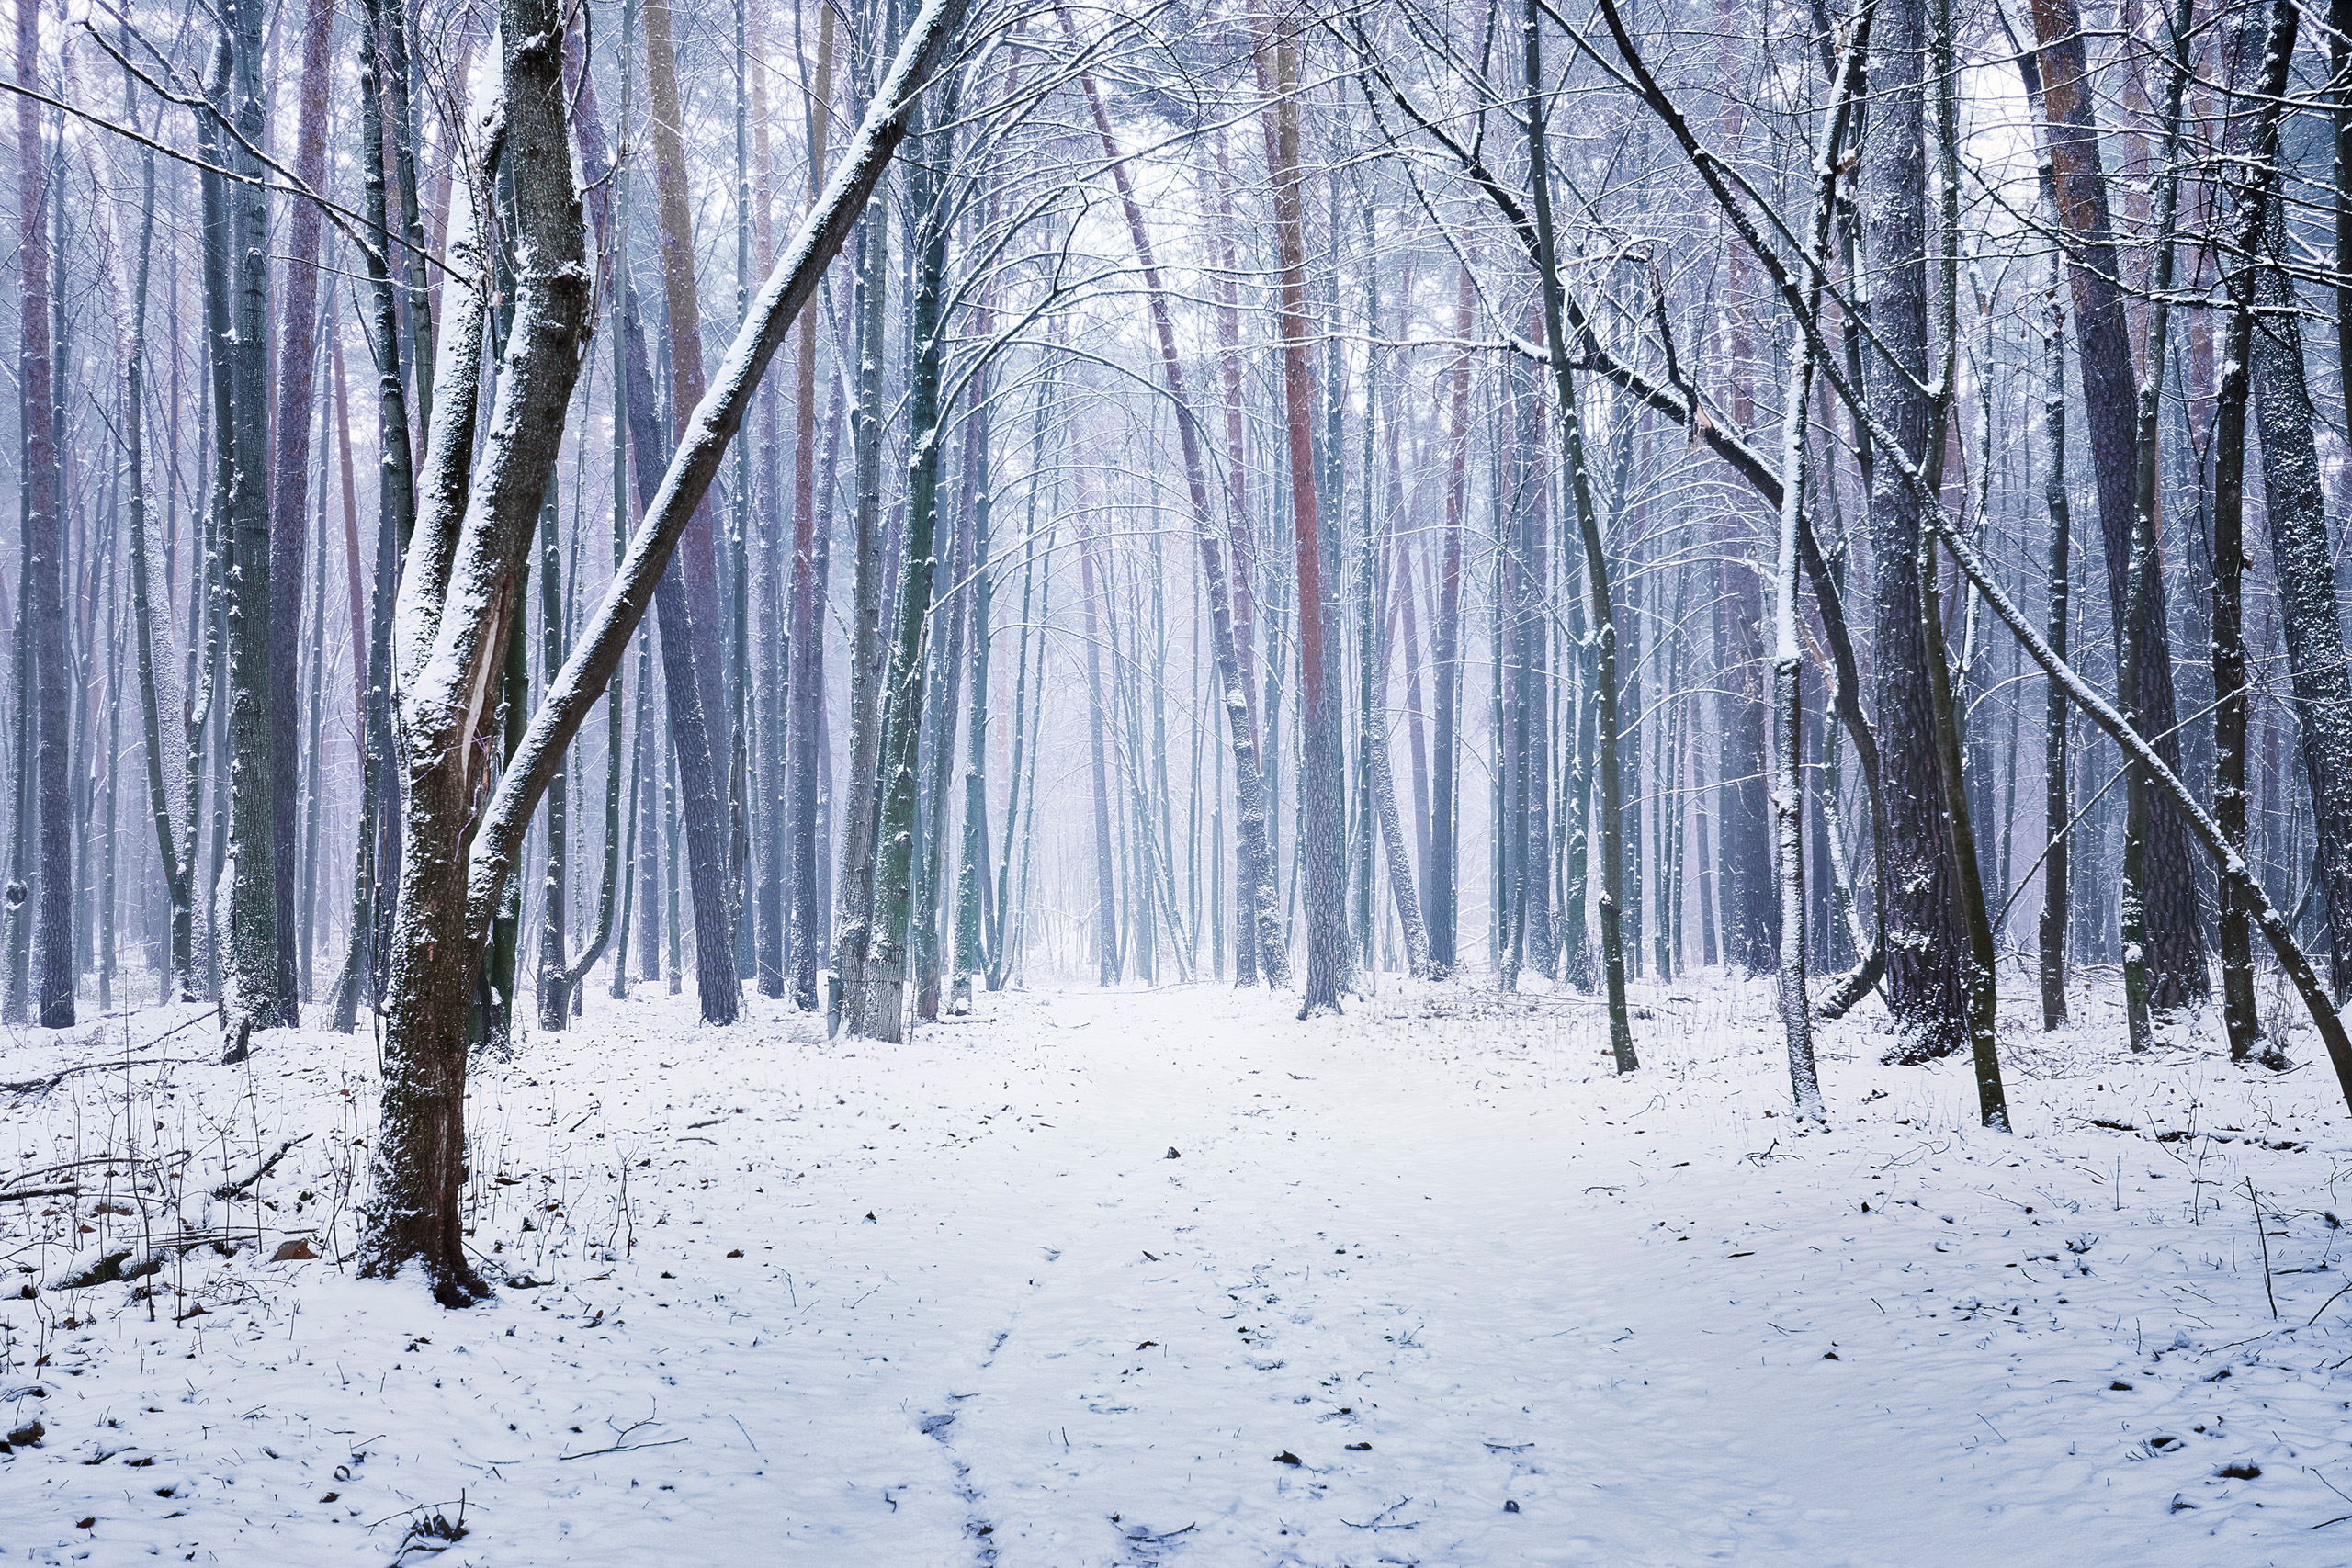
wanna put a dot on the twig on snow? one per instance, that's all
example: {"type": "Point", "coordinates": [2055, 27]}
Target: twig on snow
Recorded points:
{"type": "Point", "coordinates": [251, 1176]}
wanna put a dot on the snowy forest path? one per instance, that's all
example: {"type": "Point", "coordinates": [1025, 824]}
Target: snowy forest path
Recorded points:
{"type": "Point", "coordinates": [1111, 1278]}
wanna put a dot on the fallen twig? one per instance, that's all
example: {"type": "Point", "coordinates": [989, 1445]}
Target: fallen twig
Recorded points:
{"type": "Point", "coordinates": [231, 1189]}
{"type": "Point", "coordinates": [623, 1448]}
{"type": "Point", "coordinates": [1373, 1523]}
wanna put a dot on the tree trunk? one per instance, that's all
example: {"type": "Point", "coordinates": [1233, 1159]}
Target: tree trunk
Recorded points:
{"type": "Point", "coordinates": [854, 922]}
{"type": "Point", "coordinates": [251, 995]}
{"type": "Point", "coordinates": [2302, 560]}
{"type": "Point", "coordinates": [690, 657]}
{"type": "Point", "coordinates": [807, 611]}
{"type": "Point", "coordinates": [1923, 927]}
{"type": "Point", "coordinates": [1322, 830]}
{"type": "Point", "coordinates": [457, 590]}
{"type": "Point", "coordinates": [289, 495]}
{"type": "Point", "coordinates": [2175, 949]}
{"type": "Point", "coordinates": [180, 975]}
{"type": "Point", "coordinates": [1596, 562]}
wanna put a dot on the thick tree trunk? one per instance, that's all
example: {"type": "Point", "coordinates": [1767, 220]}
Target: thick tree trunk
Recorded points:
{"type": "Point", "coordinates": [1923, 927]}
{"type": "Point", "coordinates": [457, 590]}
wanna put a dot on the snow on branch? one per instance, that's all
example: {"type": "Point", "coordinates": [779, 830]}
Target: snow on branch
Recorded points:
{"type": "Point", "coordinates": [790, 285]}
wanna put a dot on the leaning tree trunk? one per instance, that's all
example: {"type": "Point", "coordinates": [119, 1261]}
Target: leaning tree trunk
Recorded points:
{"type": "Point", "coordinates": [464, 572]}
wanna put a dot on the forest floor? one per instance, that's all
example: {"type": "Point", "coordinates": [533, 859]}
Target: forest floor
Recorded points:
{"type": "Point", "coordinates": [1163, 1275]}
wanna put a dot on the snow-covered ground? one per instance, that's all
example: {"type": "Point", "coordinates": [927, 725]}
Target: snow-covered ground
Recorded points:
{"type": "Point", "coordinates": [1140, 1276]}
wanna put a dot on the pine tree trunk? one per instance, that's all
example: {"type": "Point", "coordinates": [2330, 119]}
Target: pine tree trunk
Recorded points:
{"type": "Point", "coordinates": [181, 963]}
{"type": "Point", "coordinates": [2166, 890]}
{"type": "Point", "coordinates": [689, 612]}
{"type": "Point", "coordinates": [289, 493]}
{"type": "Point", "coordinates": [808, 622]}
{"type": "Point", "coordinates": [1322, 828]}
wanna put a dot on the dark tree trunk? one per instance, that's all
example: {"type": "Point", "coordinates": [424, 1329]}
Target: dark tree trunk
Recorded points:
{"type": "Point", "coordinates": [2302, 560]}
{"type": "Point", "coordinates": [252, 997]}
{"type": "Point", "coordinates": [46, 666]}
{"type": "Point", "coordinates": [2177, 976]}
{"type": "Point", "coordinates": [1922, 926]}
{"type": "Point", "coordinates": [690, 654]}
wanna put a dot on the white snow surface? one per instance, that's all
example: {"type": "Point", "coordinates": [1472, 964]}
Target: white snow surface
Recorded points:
{"type": "Point", "coordinates": [1165, 1276]}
